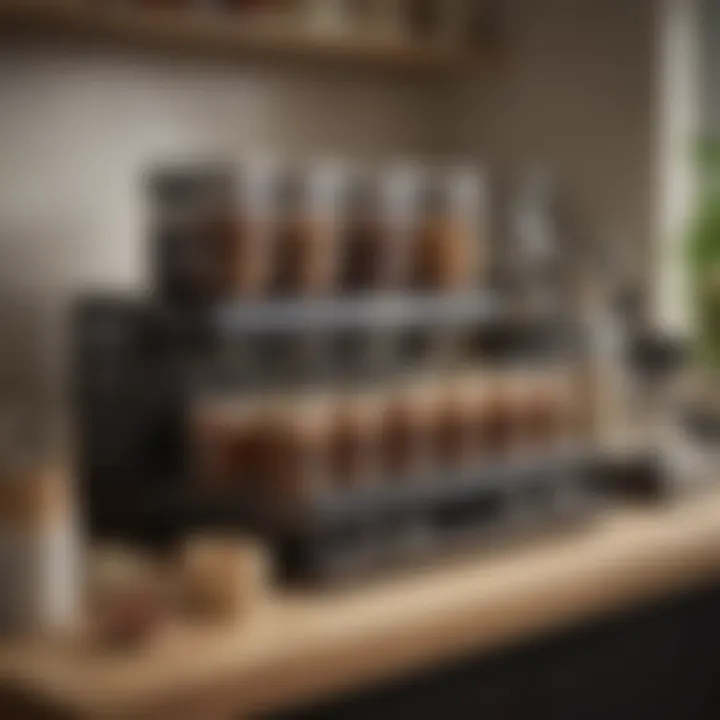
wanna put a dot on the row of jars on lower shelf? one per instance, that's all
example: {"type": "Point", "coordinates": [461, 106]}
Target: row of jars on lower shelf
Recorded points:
{"type": "Point", "coordinates": [291, 448]}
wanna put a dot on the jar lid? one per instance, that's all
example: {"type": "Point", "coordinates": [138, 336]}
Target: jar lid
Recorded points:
{"type": "Point", "coordinates": [466, 190]}
{"type": "Point", "coordinates": [328, 185]}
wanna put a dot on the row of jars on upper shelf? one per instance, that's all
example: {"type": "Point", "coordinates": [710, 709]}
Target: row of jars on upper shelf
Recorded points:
{"type": "Point", "coordinates": [469, 22]}
{"type": "Point", "coordinates": [269, 230]}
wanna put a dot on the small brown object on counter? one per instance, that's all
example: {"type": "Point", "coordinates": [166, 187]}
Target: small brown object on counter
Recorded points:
{"type": "Point", "coordinates": [129, 598]}
{"type": "Point", "coordinates": [223, 577]}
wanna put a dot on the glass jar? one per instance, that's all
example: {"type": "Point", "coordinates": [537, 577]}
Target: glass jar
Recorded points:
{"type": "Point", "coordinates": [298, 450]}
{"type": "Point", "coordinates": [409, 431]}
{"type": "Point", "coordinates": [357, 430]}
{"type": "Point", "coordinates": [452, 241]}
{"type": "Point", "coordinates": [252, 260]}
{"type": "Point", "coordinates": [453, 426]}
{"type": "Point", "coordinates": [402, 189]}
{"type": "Point", "coordinates": [364, 237]}
{"type": "Point", "coordinates": [495, 426]}
{"type": "Point", "coordinates": [324, 222]}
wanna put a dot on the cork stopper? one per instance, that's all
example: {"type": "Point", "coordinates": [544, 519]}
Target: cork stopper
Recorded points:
{"type": "Point", "coordinates": [223, 577]}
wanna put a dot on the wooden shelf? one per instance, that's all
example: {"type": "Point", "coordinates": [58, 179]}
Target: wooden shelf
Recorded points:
{"type": "Point", "coordinates": [197, 33]}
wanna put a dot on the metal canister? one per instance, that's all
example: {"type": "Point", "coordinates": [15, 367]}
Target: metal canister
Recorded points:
{"type": "Point", "coordinates": [40, 551]}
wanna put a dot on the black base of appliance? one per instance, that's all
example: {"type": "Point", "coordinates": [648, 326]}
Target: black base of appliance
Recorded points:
{"type": "Point", "coordinates": [138, 365]}
{"type": "Point", "coordinates": [345, 535]}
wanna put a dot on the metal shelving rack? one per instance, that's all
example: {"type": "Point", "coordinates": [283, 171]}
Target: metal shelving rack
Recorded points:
{"type": "Point", "coordinates": [318, 539]}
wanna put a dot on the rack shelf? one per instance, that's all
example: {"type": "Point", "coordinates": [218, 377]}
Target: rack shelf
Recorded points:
{"type": "Point", "coordinates": [323, 534]}
{"type": "Point", "coordinates": [370, 313]}
{"type": "Point", "coordinates": [193, 32]}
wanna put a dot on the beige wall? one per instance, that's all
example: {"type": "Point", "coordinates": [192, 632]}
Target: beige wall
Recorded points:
{"type": "Point", "coordinates": [574, 92]}
{"type": "Point", "coordinates": [573, 88]}
{"type": "Point", "coordinates": [76, 132]}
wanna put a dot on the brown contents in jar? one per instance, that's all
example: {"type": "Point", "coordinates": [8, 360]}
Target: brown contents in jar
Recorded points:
{"type": "Point", "coordinates": [453, 428]}
{"type": "Point", "coordinates": [291, 256]}
{"type": "Point", "coordinates": [318, 266]}
{"type": "Point", "coordinates": [248, 257]}
{"type": "Point", "coordinates": [408, 432]}
{"type": "Point", "coordinates": [542, 419]}
{"type": "Point", "coordinates": [211, 447]}
{"type": "Point", "coordinates": [355, 441]}
{"type": "Point", "coordinates": [446, 256]}
{"type": "Point", "coordinates": [305, 258]}
{"type": "Point", "coordinates": [231, 456]}
{"type": "Point", "coordinates": [363, 255]}
{"type": "Point", "coordinates": [363, 246]}
{"type": "Point", "coordinates": [495, 424]}
{"type": "Point", "coordinates": [291, 238]}
{"type": "Point", "coordinates": [298, 451]}
{"type": "Point", "coordinates": [221, 442]}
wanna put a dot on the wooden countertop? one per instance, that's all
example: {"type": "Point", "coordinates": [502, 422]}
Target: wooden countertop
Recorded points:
{"type": "Point", "coordinates": [300, 648]}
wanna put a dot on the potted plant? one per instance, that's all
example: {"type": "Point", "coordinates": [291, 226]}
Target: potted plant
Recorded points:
{"type": "Point", "coordinates": [703, 255]}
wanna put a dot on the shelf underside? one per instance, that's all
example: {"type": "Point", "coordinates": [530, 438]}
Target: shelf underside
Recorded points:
{"type": "Point", "coordinates": [196, 33]}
